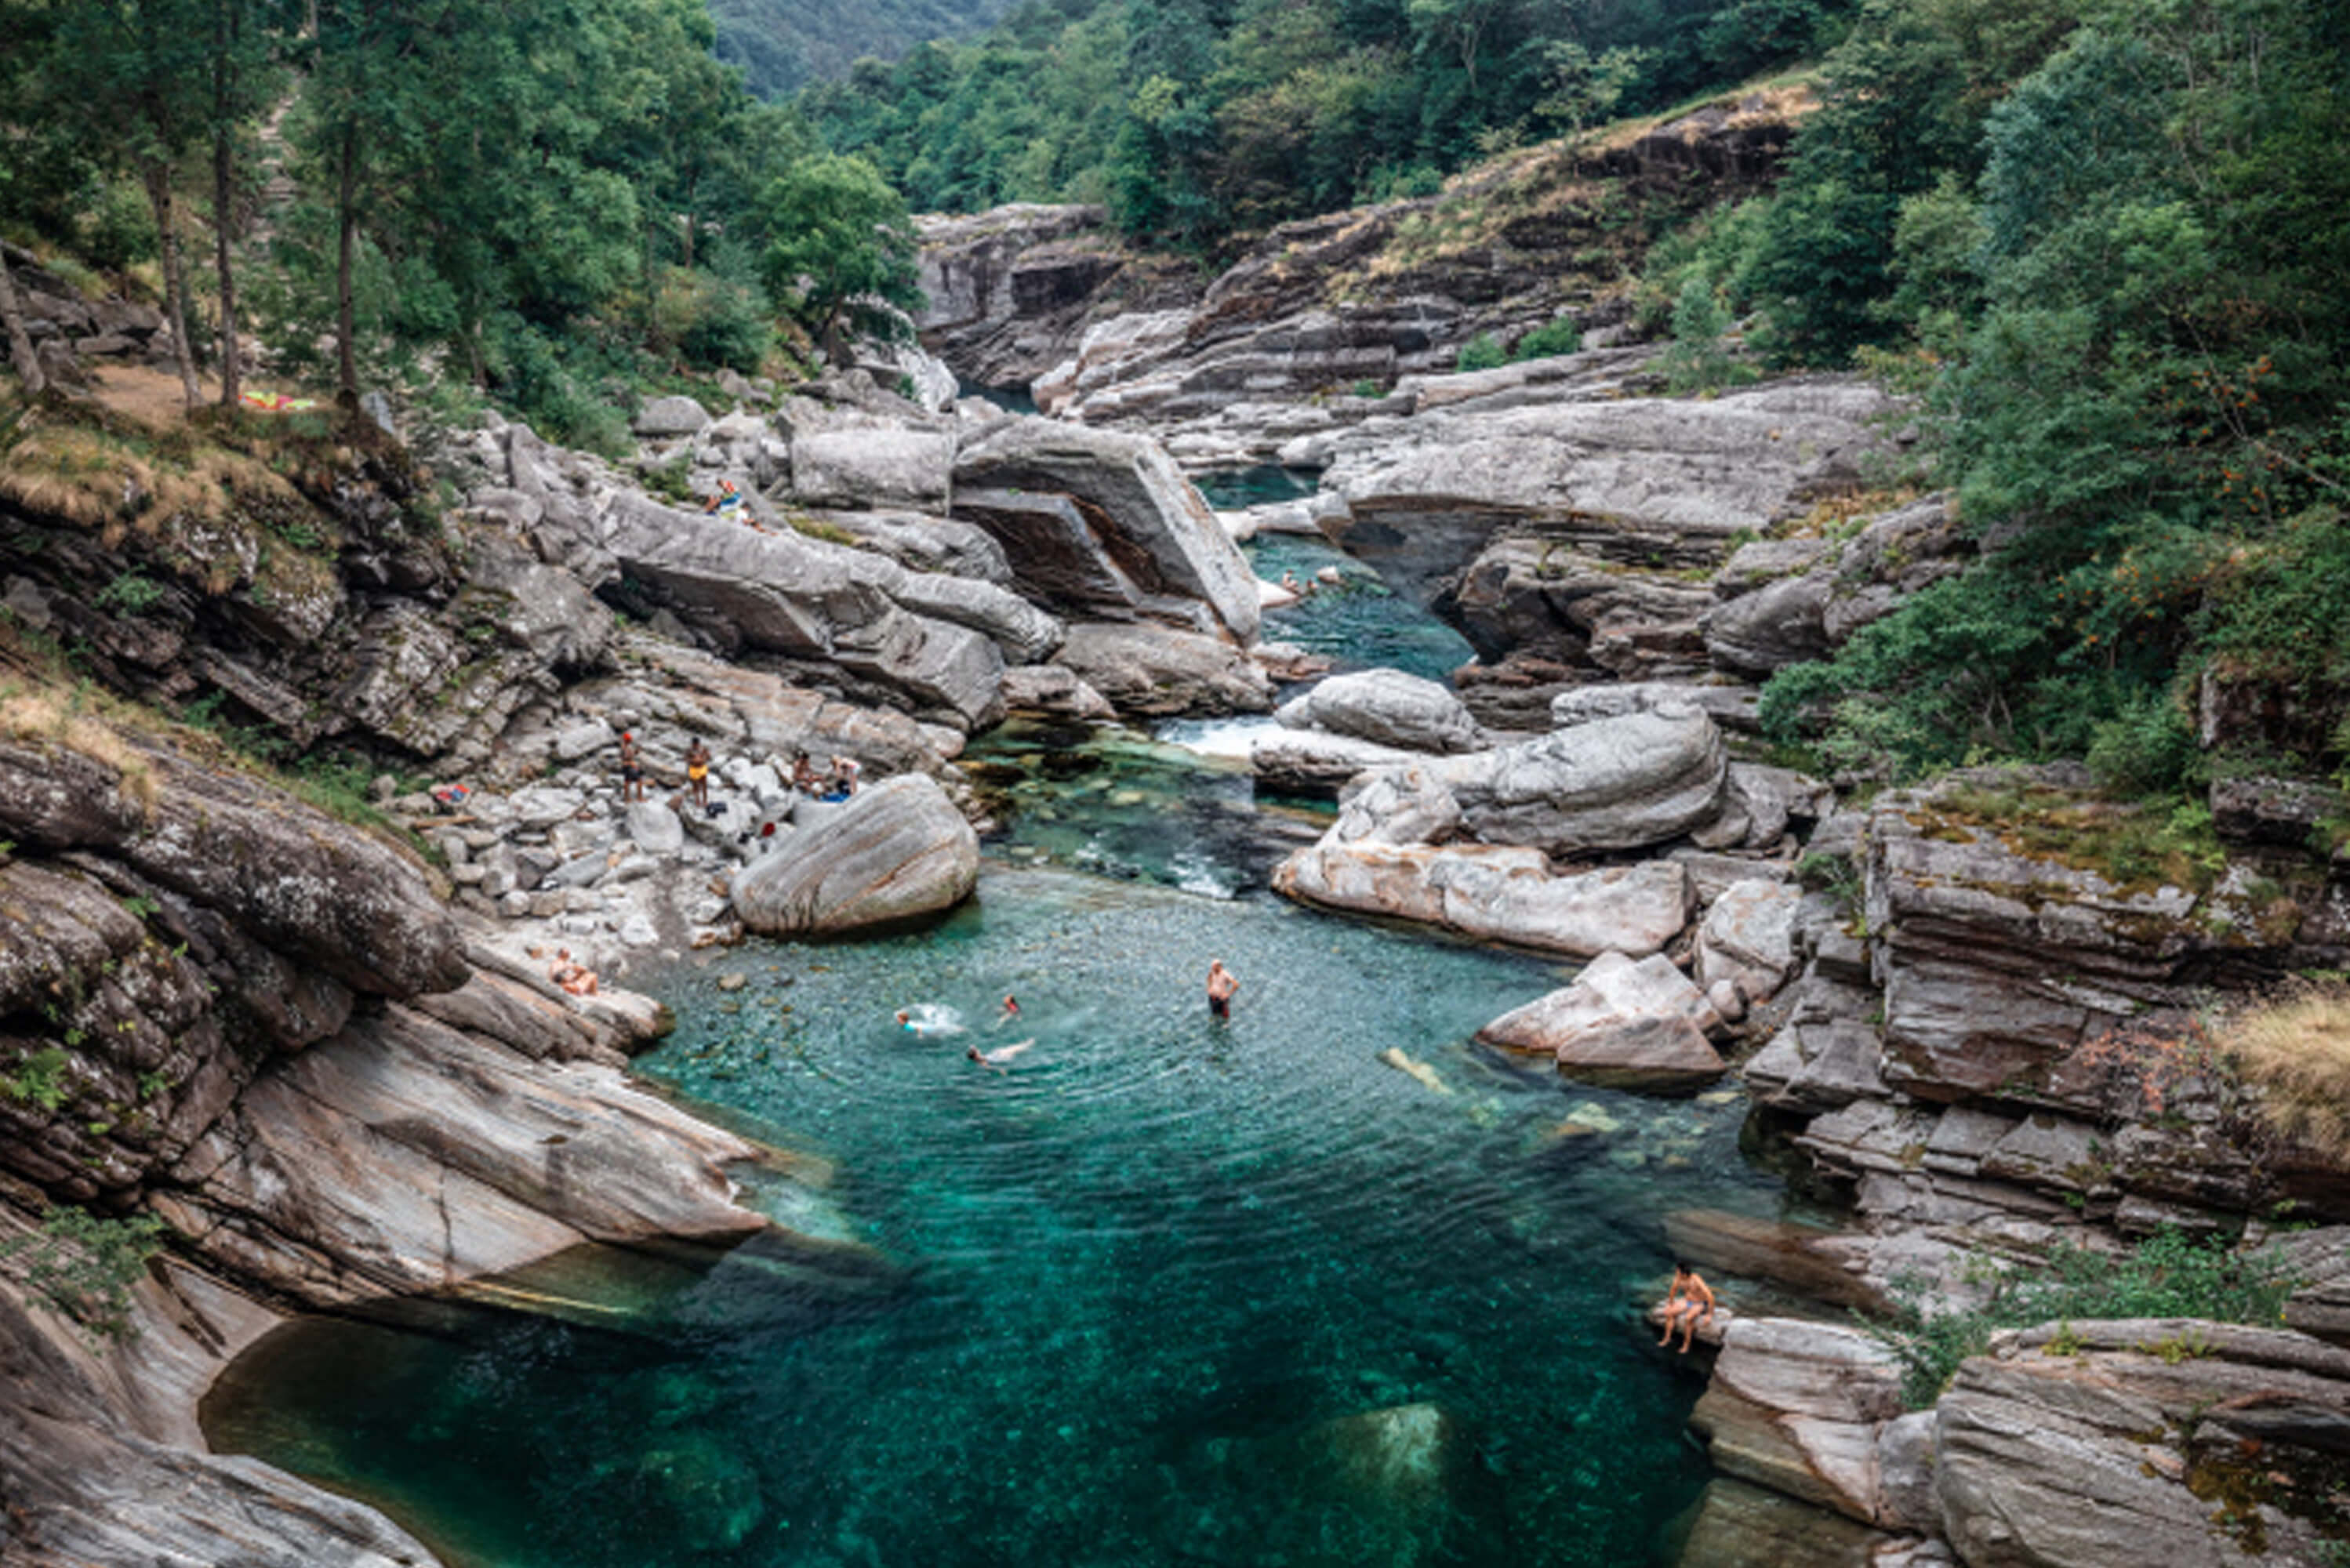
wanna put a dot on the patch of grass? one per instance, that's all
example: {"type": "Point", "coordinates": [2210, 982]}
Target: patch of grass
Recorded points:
{"type": "Point", "coordinates": [2296, 1050]}
{"type": "Point", "coordinates": [2131, 844]}
{"type": "Point", "coordinates": [816, 528]}
{"type": "Point", "coordinates": [2166, 1275]}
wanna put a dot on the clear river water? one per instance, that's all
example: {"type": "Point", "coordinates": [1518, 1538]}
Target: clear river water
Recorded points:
{"type": "Point", "coordinates": [1160, 1290]}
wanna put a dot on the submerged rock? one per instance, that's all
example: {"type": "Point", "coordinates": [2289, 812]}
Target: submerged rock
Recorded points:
{"type": "Point", "coordinates": [898, 849]}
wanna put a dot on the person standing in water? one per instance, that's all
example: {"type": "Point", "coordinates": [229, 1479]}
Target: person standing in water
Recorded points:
{"type": "Point", "coordinates": [1221, 983]}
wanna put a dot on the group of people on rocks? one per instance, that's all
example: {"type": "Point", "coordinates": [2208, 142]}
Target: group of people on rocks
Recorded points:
{"type": "Point", "coordinates": [838, 783]}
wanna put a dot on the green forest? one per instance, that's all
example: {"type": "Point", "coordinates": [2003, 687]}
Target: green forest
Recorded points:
{"type": "Point", "coordinates": [552, 203]}
{"type": "Point", "coordinates": [783, 44]}
{"type": "Point", "coordinates": [1194, 120]}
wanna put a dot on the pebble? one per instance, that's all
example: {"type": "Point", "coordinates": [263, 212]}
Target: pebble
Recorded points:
{"type": "Point", "coordinates": [734, 981]}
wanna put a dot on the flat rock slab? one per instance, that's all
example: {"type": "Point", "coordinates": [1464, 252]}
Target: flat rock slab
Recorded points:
{"type": "Point", "coordinates": [1495, 893]}
{"type": "Point", "coordinates": [1155, 671]}
{"type": "Point", "coordinates": [1387, 707]}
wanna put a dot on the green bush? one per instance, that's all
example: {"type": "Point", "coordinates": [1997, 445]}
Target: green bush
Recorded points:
{"type": "Point", "coordinates": [131, 594]}
{"type": "Point", "coordinates": [85, 1266]}
{"type": "Point", "coordinates": [2146, 749]}
{"type": "Point", "coordinates": [2166, 1275]}
{"type": "Point", "coordinates": [119, 231]}
{"type": "Point", "coordinates": [1481, 353]}
{"type": "Point", "coordinates": [1559, 337]}
{"type": "Point", "coordinates": [39, 1080]}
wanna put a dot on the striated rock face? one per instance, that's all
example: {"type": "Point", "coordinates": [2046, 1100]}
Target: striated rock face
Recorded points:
{"type": "Point", "coordinates": [405, 1155]}
{"type": "Point", "coordinates": [1635, 481]}
{"type": "Point", "coordinates": [2203, 1445]}
{"type": "Point", "coordinates": [1312, 762]}
{"type": "Point", "coordinates": [1622, 1024]}
{"type": "Point", "coordinates": [787, 594]}
{"type": "Point", "coordinates": [1802, 1408]}
{"type": "Point", "coordinates": [1387, 707]}
{"type": "Point", "coordinates": [897, 850]}
{"type": "Point", "coordinates": [1156, 530]}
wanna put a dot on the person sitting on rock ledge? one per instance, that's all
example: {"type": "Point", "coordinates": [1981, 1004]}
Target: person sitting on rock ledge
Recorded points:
{"type": "Point", "coordinates": [575, 977]}
{"type": "Point", "coordinates": [843, 782]}
{"type": "Point", "coordinates": [1687, 1304]}
{"type": "Point", "coordinates": [803, 777]}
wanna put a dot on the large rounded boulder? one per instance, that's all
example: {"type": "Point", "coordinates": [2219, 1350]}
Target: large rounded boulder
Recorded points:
{"type": "Point", "coordinates": [898, 850]}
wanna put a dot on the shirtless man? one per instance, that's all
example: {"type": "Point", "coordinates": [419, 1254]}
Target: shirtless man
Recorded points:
{"type": "Point", "coordinates": [632, 768]}
{"type": "Point", "coordinates": [1687, 1304]}
{"type": "Point", "coordinates": [1221, 983]}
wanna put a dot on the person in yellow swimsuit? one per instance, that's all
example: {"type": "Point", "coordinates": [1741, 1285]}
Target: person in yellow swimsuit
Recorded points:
{"type": "Point", "coordinates": [697, 773]}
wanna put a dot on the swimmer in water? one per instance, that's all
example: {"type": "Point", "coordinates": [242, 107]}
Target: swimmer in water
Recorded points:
{"type": "Point", "coordinates": [1221, 983]}
{"type": "Point", "coordinates": [1010, 1014]}
{"type": "Point", "coordinates": [1001, 1056]}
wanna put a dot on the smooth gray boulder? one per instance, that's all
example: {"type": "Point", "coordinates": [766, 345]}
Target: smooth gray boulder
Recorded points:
{"type": "Point", "coordinates": [1623, 1024]}
{"type": "Point", "coordinates": [1049, 689]}
{"type": "Point", "coordinates": [785, 593]}
{"type": "Point", "coordinates": [656, 829]}
{"type": "Point", "coordinates": [1494, 893]}
{"type": "Point", "coordinates": [1782, 623]}
{"type": "Point", "coordinates": [1151, 672]}
{"type": "Point", "coordinates": [1388, 707]}
{"type": "Point", "coordinates": [1615, 784]}
{"type": "Point", "coordinates": [1309, 762]}
{"type": "Point", "coordinates": [1730, 706]}
{"type": "Point", "coordinates": [1024, 633]}
{"type": "Point", "coordinates": [920, 542]}
{"type": "Point", "coordinates": [1144, 513]}
{"type": "Point", "coordinates": [874, 466]}
{"type": "Point", "coordinates": [673, 416]}
{"type": "Point", "coordinates": [898, 849]}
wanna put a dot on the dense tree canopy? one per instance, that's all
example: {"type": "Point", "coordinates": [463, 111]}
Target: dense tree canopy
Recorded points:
{"type": "Point", "coordinates": [1194, 118]}
{"type": "Point", "coordinates": [545, 195]}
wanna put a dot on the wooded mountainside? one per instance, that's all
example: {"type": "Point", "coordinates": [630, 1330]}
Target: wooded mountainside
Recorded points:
{"type": "Point", "coordinates": [783, 44]}
{"type": "Point", "coordinates": [552, 202]}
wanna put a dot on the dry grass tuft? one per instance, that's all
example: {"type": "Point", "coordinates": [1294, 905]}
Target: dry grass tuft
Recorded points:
{"type": "Point", "coordinates": [2296, 1050]}
{"type": "Point", "coordinates": [48, 717]}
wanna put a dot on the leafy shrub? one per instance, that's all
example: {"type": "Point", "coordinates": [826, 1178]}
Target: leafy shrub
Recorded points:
{"type": "Point", "coordinates": [1559, 337]}
{"type": "Point", "coordinates": [130, 594]}
{"type": "Point", "coordinates": [2166, 1275]}
{"type": "Point", "coordinates": [118, 232]}
{"type": "Point", "coordinates": [1698, 361]}
{"type": "Point", "coordinates": [1481, 353]}
{"type": "Point", "coordinates": [85, 1266]}
{"type": "Point", "coordinates": [39, 1080]}
{"type": "Point", "coordinates": [2147, 748]}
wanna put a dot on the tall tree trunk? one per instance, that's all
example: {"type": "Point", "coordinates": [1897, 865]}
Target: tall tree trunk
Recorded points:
{"type": "Point", "coordinates": [158, 175]}
{"type": "Point", "coordinates": [20, 342]}
{"type": "Point", "coordinates": [347, 365]}
{"type": "Point", "coordinates": [223, 188]}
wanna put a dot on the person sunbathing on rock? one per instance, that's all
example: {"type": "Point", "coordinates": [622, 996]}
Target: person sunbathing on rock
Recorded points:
{"type": "Point", "coordinates": [575, 977]}
{"type": "Point", "coordinates": [1687, 1304]}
